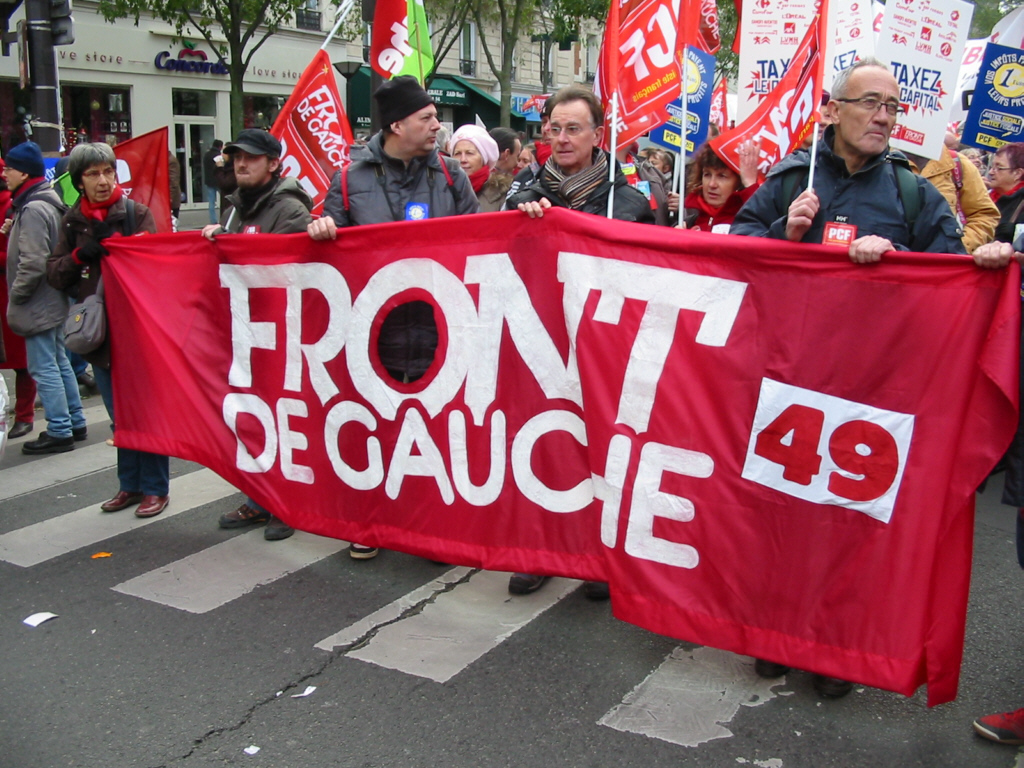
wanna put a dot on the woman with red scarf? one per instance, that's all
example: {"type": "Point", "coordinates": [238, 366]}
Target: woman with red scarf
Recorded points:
{"type": "Point", "coordinates": [716, 191]}
{"type": "Point", "coordinates": [103, 211]}
{"type": "Point", "coordinates": [477, 153]}
{"type": "Point", "coordinates": [1006, 180]}
{"type": "Point", "coordinates": [14, 345]}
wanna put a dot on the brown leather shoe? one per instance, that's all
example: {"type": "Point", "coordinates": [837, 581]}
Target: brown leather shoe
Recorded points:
{"type": "Point", "coordinates": [122, 500]}
{"type": "Point", "coordinates": [152, 506]}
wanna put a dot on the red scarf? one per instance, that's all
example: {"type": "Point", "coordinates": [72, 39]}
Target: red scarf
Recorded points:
{"type": "Point", "coordinates": [995, 194]}
{"type": "Point", "coordinates": [26, 185]}
{"type": "Point", "coordinates": [99, 211]}
{"type": "Point", "coordinates": [479, 178]}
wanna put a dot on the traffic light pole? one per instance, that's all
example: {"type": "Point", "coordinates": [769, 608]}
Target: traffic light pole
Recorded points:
{"type": "Point", "coordinates": [42, 64]}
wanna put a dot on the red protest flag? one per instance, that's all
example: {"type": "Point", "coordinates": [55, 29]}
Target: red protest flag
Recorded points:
{"type": "Point", "coordinates": [720, 107]}
{"type": "Point", "coordinates": [641, 61]}
{"type": "Point", "coordinates": [784, 118]}
{"type": "Point", "coordinates": [314, 131]}
{"type": "Point", "coordinates": [707, 36]}
{"type": "Point", "coordinates": [142, 171]}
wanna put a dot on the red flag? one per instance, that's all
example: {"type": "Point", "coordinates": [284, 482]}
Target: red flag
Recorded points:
{"type": "Point", "coordinates": [785, 116]}
{"type": "Point", "coordinates": [608, 401]}
{"type": "Point", "coordinates": [142, 171]}
{"type": "Point", "coordinates": [641, 61]}
{"type": "Point", "coordinates": [708, 38]}
{"type": "Point", "coordinates": [314, 131]}
{"type": "Point", "coordinates": [719, 106]}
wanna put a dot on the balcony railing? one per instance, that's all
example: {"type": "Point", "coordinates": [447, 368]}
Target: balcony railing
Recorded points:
{"type": "Point", "coordinates": [589, 76]}
{"type": "Point", "coordinates": [467, 67]}
{"type": "Point", "coordinates": [307, 19]}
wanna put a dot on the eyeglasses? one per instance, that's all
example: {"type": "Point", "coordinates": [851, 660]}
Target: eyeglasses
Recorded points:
{"type": "Point", "coordinates": [573, 129]}
{"type": "Point", "coordinates": [871, 105]}
{"type": "Point", "coordinates": [109, 173]}
{"type": "Point", "coordinates": [1000, 168]}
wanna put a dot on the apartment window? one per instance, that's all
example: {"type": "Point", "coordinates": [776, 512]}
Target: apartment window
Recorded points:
{"type": "Point", "coordinates": [467, 50]}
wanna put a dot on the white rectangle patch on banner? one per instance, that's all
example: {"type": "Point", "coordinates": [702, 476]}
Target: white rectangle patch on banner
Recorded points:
{"type": "Point", "coordinates": [828, 450]}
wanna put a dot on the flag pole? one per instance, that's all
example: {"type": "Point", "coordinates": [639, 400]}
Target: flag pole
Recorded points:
{"type": "Point", "coordinates": [814, 156]}
{"type": "Point", "coordinates": [611, 39]}
{"type": "Point", "coordinates": [683, 96]}
{"type": "Point", "coordinates": [343, 11]}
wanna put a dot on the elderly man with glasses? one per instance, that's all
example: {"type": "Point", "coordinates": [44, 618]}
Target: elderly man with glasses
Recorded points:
{"type": "Point", "coordinates": [865, 195]}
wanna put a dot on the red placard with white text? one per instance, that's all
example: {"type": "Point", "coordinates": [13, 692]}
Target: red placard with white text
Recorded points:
{"type": "Point", "coordinates": [730, 431]}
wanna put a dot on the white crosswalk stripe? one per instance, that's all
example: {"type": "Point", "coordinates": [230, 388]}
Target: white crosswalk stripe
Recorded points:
{"type": "Point", "coordinates": [226, 571]}
{"type": "Point", "coordinates": [57, 536]}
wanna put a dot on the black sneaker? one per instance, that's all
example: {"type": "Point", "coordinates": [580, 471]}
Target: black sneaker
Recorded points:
{"type": "Point", "coordinates": [525, 583]}
{"type": "Point", "coordinates": [80, 433]}
{"type": "Point", "coordinates": [596, 590]}
{"type": "Point", "coordinates": [277, 529]}
{"type": "Point", "coordinates": [769, 669]}
{"type": "Point", "coordinates": [47, 443]}
{"type": "Point", "coordinates": [832, 687]}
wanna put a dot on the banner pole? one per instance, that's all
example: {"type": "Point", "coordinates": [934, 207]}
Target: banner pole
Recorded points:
{"type": "Point", "coordinates": [682, 135]}
{"type": "Point", "coordinates": [613, 148]}
{"type": "Point", "coordinates": [343, 11]}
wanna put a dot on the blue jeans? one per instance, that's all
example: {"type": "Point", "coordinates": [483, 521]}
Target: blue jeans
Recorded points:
{"type": "Point", "coordinates": [78, 363]}
{"type": "Point", "coordinates": [58, 388]}
{"type": "Point", "coordinates": [211, 196]}
{"type": "Point", "coordinates": [137, 471]}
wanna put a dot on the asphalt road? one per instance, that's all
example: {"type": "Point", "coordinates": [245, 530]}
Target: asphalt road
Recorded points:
{"type": "Point", "coordinates": [184, 645]}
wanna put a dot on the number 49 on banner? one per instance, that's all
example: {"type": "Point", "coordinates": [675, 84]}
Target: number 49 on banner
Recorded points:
{"type": "Point", "coordinates": [828, 450]}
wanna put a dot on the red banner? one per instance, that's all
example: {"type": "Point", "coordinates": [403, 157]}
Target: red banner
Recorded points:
{"type": "Point", "coordinates": [785, 116]}
{"type": "Point", "coordinates": [728, 430]}
{"type": "Point", "coordinates": [142, 171]}
{"type": "Point", "coordinates": [313, 130]}
{"type": "Point", "coordinates": [719, 116]}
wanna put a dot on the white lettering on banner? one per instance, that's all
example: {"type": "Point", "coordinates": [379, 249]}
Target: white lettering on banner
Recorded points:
{"type": "Point", "coordinates": [572, 500]}
{"type": "Point", "coordinates": [666, 292]}
{"type": "Point", "coordinates": [650, 502]}
{"type": "Point", "coordinates": [659, 55]}
{"type": "Point", "coordinates": [292, 168]}
{"type": "Point", "coordinates": [247, 335]}
{"type": "Point", "coordinates": [783, 123]}
{"type": "Point", "coordinates": [471, 359]}
{"type": "Point", "coordinates": [320, 114]}
{"type": "Point", "coordinates": [828, 450]}
{"type": "Point", "coordinates": [392, 59]}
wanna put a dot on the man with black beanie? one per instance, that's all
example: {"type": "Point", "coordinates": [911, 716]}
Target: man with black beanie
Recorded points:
{"type": "Point", "coordinates": [403, 179]}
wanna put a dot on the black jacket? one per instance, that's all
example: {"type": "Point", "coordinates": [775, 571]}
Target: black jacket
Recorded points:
{"type": "Point", "coordinates": [869, 199]}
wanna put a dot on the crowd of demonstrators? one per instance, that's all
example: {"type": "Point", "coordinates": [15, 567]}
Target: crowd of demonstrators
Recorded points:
{"type": "Point", "coordinates": [35, 309]}
{"type": "Point", "coordinates": [405, 178]}
{"type": "Point", "coordinates": [264, 202]}
{"type": "Point", "coordinates": [527, 159]}
{"type": "Point", "coordinates": [103, 211]}
{"type": "Point", "coordinates": [478, 154]}
{"type": "Point", "coordinates": [1006, 179]}
{"type": "Point", "coordinates": [648, 180]}
{"type": "Point", "coordinates": [576, 176]}
{"type": "Point", "coordinates": [715, 192]}
{"type": "Point", "coordinates": [857, 183]}
{"type": "Point", "coordinates": [15, 357]}
{"type": "Point", "coordinates": [539, 152]}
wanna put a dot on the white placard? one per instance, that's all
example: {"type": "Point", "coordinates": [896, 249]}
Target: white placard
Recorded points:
{"type": "Point", "coordinates": [770, 33]}
{"type": "Point", "coordinates": [850, 36]}
{"type": "Point", "coordinates": [970, 63]}
{"type": "Point", "coordinates": [923, 42]}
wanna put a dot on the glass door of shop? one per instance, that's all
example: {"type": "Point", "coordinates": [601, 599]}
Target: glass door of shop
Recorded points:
{"type": "Point", "coordinates": [192, 140]}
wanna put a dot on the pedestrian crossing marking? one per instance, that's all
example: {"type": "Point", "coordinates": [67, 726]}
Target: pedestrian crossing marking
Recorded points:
{"type": "Point", "coordinates": [459, 626]}
{"type": "Point", "coordinates": [224, 572]}
{"type": "Point", "coordinates": [84, 527]}
{"type": "Point", "coordinates": [687, 699]}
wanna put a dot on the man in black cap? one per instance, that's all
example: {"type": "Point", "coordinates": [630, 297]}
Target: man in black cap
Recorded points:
{"type": "Point", "coordinates": [263, 202]}
{"type": "Point", "coordinates": [403, 179]}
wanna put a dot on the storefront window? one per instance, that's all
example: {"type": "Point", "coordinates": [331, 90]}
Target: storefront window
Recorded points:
{"type": "Point", "coordinates": [261, 111]}
{"type": "Point", "coordinates": [194, 102]}
{"type": "Point", "coordinates": [96, 114]}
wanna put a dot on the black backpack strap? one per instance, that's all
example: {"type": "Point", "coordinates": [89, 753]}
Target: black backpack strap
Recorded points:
{"type": "Point", "coordinates": [910, 194]}
{"type": "Point", "coordinates": [794, 181]}
{"type": "Point", "coordinates": [129, 218]}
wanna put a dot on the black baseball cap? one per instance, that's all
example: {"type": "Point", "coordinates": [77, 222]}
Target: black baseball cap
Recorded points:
{"type": "Point", "coordinates": [255, 141]}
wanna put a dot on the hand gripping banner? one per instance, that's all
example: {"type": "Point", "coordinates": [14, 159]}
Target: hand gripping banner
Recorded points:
{"type": "Point", "coordinates": [761, 446]}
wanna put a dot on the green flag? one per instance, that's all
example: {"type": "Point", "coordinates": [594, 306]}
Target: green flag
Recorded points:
{"type": "Point", "coordinates": [62, 184]}
{"type": "Point", "coordinates": [421, 60]}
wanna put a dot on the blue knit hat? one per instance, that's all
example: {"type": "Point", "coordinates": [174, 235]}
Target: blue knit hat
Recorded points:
{"type": "Point", "coordinates": [27, 158]}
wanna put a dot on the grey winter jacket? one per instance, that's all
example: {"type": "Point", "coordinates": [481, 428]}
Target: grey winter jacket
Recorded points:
{"type": "Point", "coordinates": [281, 210]}
{"type": "Point", "coordinates": [34, 305]}
{"type": "Point", "coordinates": [869, 199]}
{"type": "Point", "coordinates": [380, 187]}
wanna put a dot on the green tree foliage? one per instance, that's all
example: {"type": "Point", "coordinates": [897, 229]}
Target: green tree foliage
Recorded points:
{"type": "Point", "coordinates": [988, 12]}
{"type": "Point", "coordinates": [245, 25]}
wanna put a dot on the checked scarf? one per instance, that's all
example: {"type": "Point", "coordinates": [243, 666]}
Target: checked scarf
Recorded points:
{"type": "Point", "coordinates": [575, 190]}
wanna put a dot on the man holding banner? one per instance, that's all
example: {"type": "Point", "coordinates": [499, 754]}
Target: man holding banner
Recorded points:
{"type": "Point", "coordinates": [861, 196]}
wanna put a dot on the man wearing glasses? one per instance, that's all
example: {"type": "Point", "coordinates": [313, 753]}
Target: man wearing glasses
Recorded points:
{"type": "Point", "coordinates": [858, 199]}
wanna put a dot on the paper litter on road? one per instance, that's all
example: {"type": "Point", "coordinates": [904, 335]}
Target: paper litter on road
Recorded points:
{"type": "Point", "coordinates": [252, 749]}
{"type": "Point", "coordinates": [309, 690]}
{"type": "Point", "coordinates": [38, 618]}
{"type": "Point", "coordinates": [102, 554]}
